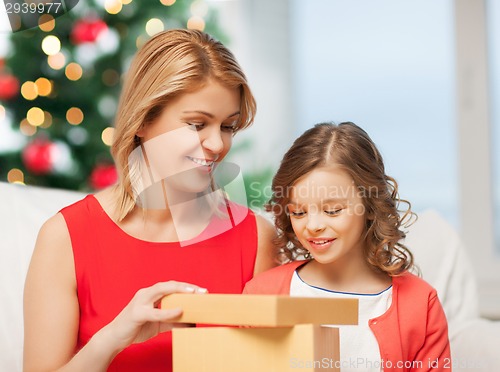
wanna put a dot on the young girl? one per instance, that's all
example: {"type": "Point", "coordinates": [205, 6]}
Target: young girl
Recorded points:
{"type": "Point", "coordinates": [100, 265]}
{"type": "Point", "coordinates": [335, 206]}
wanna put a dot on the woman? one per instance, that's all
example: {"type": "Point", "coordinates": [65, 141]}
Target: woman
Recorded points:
{"type": "Point", "coordinates": [101, 265]}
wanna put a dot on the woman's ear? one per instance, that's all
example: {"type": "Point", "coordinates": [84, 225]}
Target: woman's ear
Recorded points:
{"type": "Point", "coordinates": [140, 132]}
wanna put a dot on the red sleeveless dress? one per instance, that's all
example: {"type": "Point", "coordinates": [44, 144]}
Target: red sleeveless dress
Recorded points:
{"type": "Point", "coordinates": [111, 266]}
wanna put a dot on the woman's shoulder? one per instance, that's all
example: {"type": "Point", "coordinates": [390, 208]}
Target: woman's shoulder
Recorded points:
{"type": "Point", "coordinates": [77, 204]}
{"type": "Point", "coordinates": [100, 200]}
{"type": "Point", "coordinates": [54, 226]}
{"type": "Point", "coordinates": [53, 238]}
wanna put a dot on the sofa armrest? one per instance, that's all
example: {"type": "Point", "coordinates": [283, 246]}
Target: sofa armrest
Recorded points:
{"type": "Point", "coordinates": [443, 262]}
{"type": "Point", "coordinates": [23, 211]}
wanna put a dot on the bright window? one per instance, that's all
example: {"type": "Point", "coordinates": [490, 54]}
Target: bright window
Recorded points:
{"type": "Point", "coordinates": [388, 66]}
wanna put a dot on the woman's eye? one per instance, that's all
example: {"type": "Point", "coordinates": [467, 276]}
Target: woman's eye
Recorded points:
{"type": "Point", "coordinates": [333, 212]}
{"type": "Point", "coordinates": [228, 128]}
{"type": "Point", "coordinates": [196, 126]}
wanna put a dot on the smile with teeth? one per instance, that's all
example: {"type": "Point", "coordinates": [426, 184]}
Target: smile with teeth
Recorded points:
{"type": "Point", "coordinates": [203, 162]}
{"type": "Point", "coordinates": [318, 243]}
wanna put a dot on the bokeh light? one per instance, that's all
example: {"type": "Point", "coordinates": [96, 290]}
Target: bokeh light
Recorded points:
{"type": "Point", "coordinates": [140, 41]}
{"type": "Point", "coordinates": [196, 23]}
{"type": "Point", "coordinates": [51, 45]}
{"type": "Point", "coordinates": [15, 176]}
{"type": "Point", "coordinates": [26, 128]}
{"type": "Point", "coordinates": [107, 136]}
{"type": "Point", "coordinates": [35, 116]}
{"type": "Point", "coordinates": [57, 61]}
{"type": "Point", "coordinates": [153, 26]}
{"type": "Point", "coordinates": [74, 71]}
{"type": "Point", "coordinates": [74, 116]}
{"type": "Point", "coordinates": [113, 6]}
{"type": "Point", "coordinates": [47, 122]}
{"type": "Point", "coordinates": [29, 90]}
{"type": "Point", "coordinates": [44, 86]}
{"type": "Point", "coordinates": [46, 22]}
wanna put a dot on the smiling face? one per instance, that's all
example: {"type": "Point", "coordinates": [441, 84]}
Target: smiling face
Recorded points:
{"type": "Point", "coordinates": [328, 216]}
{"type": "Point", "coordinates": [192, 133]}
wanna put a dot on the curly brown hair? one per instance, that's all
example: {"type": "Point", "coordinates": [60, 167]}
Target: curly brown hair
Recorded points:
{"type": "Point", "coordinates": [349, 147]}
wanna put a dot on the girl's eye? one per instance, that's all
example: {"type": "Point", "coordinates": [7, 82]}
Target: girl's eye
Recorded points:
{"type": "Point", "coordinates": [333, 212]}
{"type": "Point", "coordinates": [196, 126]}
{"type": "Point", "coordinates": [297, 214]}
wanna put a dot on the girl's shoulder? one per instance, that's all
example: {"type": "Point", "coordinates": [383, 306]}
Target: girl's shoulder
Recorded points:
{"type": "Point", "coordinates": [273, 281]}
{"type": "Point", "coordinates": [410, 284]}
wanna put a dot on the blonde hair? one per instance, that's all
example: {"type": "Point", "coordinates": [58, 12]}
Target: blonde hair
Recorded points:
{"type": "Point", "coordinates": [169, 64]}
{"type": "Point", "coordinates": [348, 146]}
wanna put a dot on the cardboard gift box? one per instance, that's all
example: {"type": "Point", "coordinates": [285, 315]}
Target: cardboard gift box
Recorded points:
{"type": "Point", "coordinates": [262, 310]}
{"type": "Point", "coordinates": [285, 334]}
{"type": "Point", "coordinates": [223, 349]}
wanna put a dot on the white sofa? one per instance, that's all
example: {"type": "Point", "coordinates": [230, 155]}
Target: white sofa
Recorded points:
{"type": "Point", "coordinates": [437, 248]}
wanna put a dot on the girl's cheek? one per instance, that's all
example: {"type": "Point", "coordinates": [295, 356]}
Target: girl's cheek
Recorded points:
{"type": "Point", "coordinates": [296, 226]}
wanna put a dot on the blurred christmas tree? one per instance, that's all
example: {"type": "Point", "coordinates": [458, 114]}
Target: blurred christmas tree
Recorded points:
{"type": "Point", "coordinates": [60, 85]}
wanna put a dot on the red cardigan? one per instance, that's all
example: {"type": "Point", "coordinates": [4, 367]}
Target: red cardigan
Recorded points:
{"type": "Point", "coordinates": [412, 334]}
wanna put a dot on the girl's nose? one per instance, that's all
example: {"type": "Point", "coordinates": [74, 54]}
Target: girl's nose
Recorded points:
{"type": "Point", "coordinates": [315, 223]}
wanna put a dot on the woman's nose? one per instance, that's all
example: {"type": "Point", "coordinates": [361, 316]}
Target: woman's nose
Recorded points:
{"type": "Point", "coordinates": [213, 141]}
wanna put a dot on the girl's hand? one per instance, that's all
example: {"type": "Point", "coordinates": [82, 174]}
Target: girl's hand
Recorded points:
{"type": "Point", "coordinates": [141, 320]}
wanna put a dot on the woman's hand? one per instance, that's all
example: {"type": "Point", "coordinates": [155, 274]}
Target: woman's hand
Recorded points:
{"type": "Point", "coordinates": [141, 319]}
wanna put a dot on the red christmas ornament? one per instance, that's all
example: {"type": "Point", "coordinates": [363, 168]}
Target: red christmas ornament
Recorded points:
{"type": "Point", "coordinates": [87, 30]}
{"type": "Point", "coordinates": [9, 86]}
{"type": "Point", "coordinates": [38, 156]}
{"type": "Point", "coordinates": [102, 176]}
